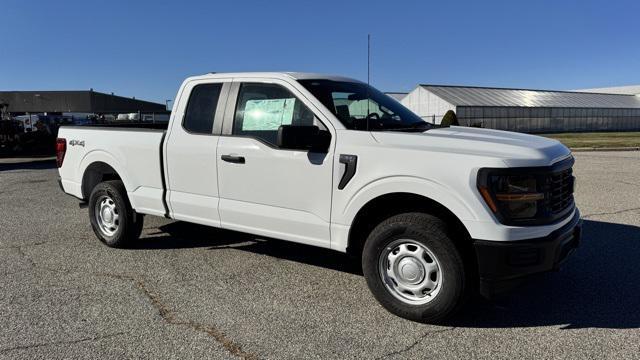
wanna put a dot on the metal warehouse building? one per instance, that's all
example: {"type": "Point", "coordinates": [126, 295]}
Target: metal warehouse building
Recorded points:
{"type": "Point", "coordinates": [73, 101]}
{"type": "Point", "coordinates": [524, 110]}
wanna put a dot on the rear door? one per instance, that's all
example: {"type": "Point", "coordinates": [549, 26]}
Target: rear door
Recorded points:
{"type": "Point", "coordinates": [192, 177]}
{"type": "Point", "coordinates": [266, 190]}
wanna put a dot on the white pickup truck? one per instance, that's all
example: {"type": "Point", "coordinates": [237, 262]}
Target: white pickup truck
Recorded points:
{"type": "Point", "coordinates": [435, 214]}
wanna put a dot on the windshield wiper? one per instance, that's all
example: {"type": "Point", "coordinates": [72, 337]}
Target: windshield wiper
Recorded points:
{"type": "Point", "coordinates": [415, 127]}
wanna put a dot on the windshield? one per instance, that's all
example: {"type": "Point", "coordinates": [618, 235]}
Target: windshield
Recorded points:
{"type": "Point", "coordinates": [361, 107]}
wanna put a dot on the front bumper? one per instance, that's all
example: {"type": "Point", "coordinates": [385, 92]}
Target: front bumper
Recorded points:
{"type": "Point", "coordinates": [503, 264]}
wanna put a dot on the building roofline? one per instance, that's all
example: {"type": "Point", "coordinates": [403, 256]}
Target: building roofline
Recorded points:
{"type": "Point", "coordinates": [609, 87]}
{"type": "Point", "coordinates": [90, 91]}
{"type": "Point", "coordinates": [520, 89]}
{"type": "Point", "coordinates": [75, 101]}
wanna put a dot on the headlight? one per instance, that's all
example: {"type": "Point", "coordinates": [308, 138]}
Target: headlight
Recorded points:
{"type": "Point", "coordinates": [518, 194]}
{"type": "Point", "coordinates": [511, 197]}
{"type": "Point", "coordinates": [529, 195]}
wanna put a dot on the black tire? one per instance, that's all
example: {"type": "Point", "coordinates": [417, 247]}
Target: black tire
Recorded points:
{"type": "Point", "coordinates": [139, 225]}
{"type": "Point", "coordinates": [129, 224]}
{"type": "Point", "coordinates": [431, 232]}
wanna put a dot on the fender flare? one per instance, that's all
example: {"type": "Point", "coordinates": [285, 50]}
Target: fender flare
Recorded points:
{"type": "Point", "coordinates": [430, 189]}
{"type": "Point", "coordinates": [102, 156]}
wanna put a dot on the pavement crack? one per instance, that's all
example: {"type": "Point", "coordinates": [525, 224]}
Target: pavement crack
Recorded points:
{"type": "Point", "coordinates": [610, 213]}
{"type": "Point", "coordinates": [414, 344]}
{"type": "Point", "coordinates": [169, 316]}
{"type": "Point", "coordinates": [21, 252]}
{"type": "Point", "coordinates": [23, 245]}
{"type": "Point", "coordinates": [69, 342]}
{"type": "Point", "coordinates": [628, 183]}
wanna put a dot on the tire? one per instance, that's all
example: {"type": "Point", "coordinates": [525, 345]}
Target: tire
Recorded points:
{"type": "Point", "coordinates": [139, 225]}
{"type": "Point", "coordinates": [113, 220]}
{"type": "Point", "coordinates": [413, 268]}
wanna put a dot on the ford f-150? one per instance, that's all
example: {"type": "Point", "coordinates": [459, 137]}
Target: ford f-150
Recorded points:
{"type": "Point", "coordinates": [434, 213]}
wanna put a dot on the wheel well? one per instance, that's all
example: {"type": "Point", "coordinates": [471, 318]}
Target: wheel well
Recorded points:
{"type": "Point", "coordinates": [96, 173]}
{"type": "Point", "coordinates": [385, 206]}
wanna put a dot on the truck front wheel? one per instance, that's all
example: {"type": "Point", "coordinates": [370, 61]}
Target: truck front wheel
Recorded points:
{"type": "Point", "coordinates": [113, 220]}
{"type": "Point", "coordinates": [413, 268]}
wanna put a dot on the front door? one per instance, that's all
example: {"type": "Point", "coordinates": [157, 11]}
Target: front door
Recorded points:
{"type": "Point", "coordinates": [264, 189]}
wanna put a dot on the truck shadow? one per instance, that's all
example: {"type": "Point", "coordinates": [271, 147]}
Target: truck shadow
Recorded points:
{"type": "Point", "coordinates": [599, 286]}
{"type": "Point", "coordinates": [186, 235]}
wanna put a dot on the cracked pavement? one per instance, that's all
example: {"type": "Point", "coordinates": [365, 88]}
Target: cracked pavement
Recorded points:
{"type": "Point", "coordinates": [188, 291]}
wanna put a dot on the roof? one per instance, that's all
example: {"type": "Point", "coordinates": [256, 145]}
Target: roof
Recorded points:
{"type": "Point", "coordinates": [75, 101]}
{"type": "Point", "coordinates": [505, 97]}
{"type": "Point", "coordinates": [625, 90]}
{"type": "Point", "coordinates": [285, 75]}
{"type": "Point", "coordinates": [397, 95]}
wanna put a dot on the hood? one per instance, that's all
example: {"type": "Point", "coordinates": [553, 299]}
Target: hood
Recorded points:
{"type": "Point", "coordinates": [515, 149]}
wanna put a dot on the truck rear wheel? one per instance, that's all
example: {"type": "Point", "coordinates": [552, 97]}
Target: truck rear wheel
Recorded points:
{"type": "Point", "coordinates": [413, 268]}
{"type": "Point", "coordinates": [113, 220]}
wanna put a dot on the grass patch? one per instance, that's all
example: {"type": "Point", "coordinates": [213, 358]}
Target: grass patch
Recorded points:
{"type": "Point", "coordinates": [598, 139]}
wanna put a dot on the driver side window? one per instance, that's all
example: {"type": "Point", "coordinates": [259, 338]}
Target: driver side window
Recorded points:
{"type": "Point", "coordinates": [261, 109]}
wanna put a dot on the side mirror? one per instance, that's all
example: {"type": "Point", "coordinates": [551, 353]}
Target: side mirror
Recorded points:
{"type": "Point", "coordinates": [303, 138]}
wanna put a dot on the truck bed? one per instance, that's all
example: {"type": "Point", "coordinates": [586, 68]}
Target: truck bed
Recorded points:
{"type": "Point", "coordinates": [127, 125]}
{"type": "Point", "coordinates": [134, 152]}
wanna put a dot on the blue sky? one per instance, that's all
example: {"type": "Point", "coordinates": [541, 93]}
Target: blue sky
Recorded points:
{"type": "Point", "coordinates": [146, 48]}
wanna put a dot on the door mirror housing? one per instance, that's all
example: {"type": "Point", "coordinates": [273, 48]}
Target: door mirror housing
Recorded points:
{"type": "Point", "coordinates": [309, 138]}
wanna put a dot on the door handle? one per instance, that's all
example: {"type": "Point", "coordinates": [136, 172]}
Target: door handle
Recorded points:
{"type": "Point", "coordinates": [236, 159]}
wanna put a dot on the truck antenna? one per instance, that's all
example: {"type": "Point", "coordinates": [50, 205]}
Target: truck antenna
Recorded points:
{"type": "Point", "coordinates": [368, 75]}
{"type": "Point", "coordinates": [368, 58]}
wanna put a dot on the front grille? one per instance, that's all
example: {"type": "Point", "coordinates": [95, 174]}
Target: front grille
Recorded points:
{"type": "Point", "coordinates": [559, 189]}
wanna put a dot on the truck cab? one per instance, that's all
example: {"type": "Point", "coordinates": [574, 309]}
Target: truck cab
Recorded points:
{"type": "Point", "coordinates": [434, 213]}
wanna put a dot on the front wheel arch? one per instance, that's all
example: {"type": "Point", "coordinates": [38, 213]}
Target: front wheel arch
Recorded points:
{"type": "Point", "coordinates": [385, 206]}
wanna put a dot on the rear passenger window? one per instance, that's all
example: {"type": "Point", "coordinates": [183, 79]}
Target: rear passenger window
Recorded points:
{"type": "Point", "coordinates": [201, 108]}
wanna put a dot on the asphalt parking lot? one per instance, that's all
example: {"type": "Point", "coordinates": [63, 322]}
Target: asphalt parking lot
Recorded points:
{"type": "Point", "coordinates": [188, 291]}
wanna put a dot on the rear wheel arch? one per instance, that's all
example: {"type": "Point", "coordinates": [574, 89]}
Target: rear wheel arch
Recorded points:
{"type": "Point", "coordinates": [96, 173]}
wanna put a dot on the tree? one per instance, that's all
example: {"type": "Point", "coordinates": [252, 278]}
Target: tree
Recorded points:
{"type": "Point", "coordinates": [449, 119]}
